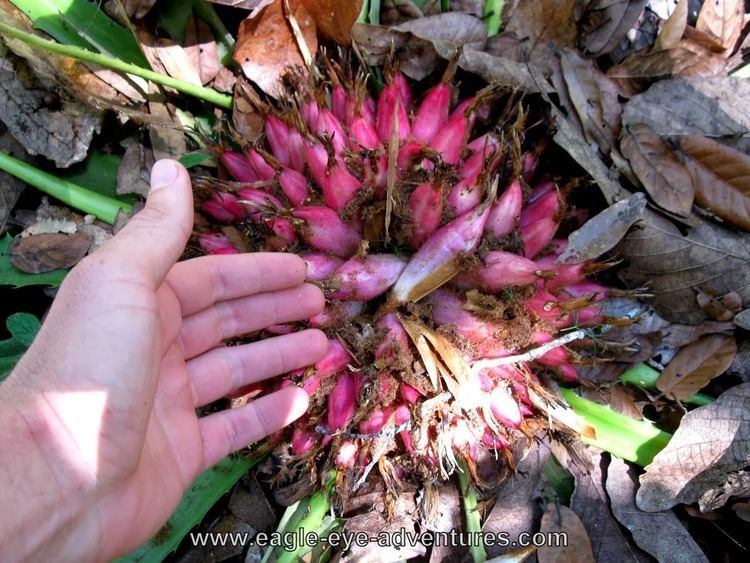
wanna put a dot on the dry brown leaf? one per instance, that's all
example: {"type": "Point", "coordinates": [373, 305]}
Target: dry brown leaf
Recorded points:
{"type": "Point", "coordinates": [721, 176]}
{"type": "Point", "coordinates": [706, 460]}
{"type": "Point", "coordinates": [561, 519]}
{"type": "Point", "coordinates": [663, 175]}
{"type": "Point", "coordinates": [201, 49]}
{"type": "Point", "coordinates": [37, 254]}
{"type": "Point", "coordinates": [593, 98]}
{"type": "Point", "coordinates": [516, 511]}
{"type": "Point", "coordinates": [605, 23]}
{"type": "Point", "coordinates": [722, 20]}
{"type": "Point", "coordinates": [133, 172]}
{"type": "Point", "coordinates": [662, 534]}
{"type": "Point", "coordinates": [603, 231]}
{"type": "Point", "coordinates": [674, 266]}
{"type": "Point", "coordinates": [334, 18]}
{"type": "Point", "coordinates": [458, 29]}
{"type": "Point", "coordinates": [543, 21]}
{"type": "Point", "coordinates": [590, 503]}
{"type": "Point", "coordinates": [695, 365]}
{"type": "Point", "coordinates": [167, 137]}
{"type": "Point", "coordinates": [266, 46]}
{"type": "Point", "coordinates": [642, 68]}
{"type": "Point", "coordinates": [711, 107]}
{"type": "Point", "coordinates": [166, 56]}
{"type": "Point", "coordinates": [418, 57]}
{"type": "Point", "coordinates": [39, 118]}
{"type": "Point", "coordinates": [674, 28]}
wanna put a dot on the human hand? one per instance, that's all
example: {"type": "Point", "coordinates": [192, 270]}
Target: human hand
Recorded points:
{"type": "Point", "coordinates": [97, 422]}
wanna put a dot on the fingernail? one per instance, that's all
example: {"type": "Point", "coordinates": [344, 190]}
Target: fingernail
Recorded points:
{"type": "Point", "coordinates": [164, 173]}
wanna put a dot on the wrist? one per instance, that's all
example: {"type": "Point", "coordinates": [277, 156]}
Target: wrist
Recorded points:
{"type": "Point", "coordinates": [50, 501]}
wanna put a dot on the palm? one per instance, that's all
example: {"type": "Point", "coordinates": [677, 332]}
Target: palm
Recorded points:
{"type": "Point", "coordinates": [163, 357]}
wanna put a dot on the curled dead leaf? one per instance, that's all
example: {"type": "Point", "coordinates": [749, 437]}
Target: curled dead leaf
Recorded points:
{"type": "Point", "coordinates": [721, 176]}
{"type": "Point", "coordinates": [334, 18]}
{"type": "Point", "coordinates": [662, 534]}
{"type": "Point", "coordinates": [722, 20]}
{"type": "Point", "coordinates": [674, 28]}
{"type": "Point", "coordinates": [674, 265]}
{"type": "Point", "coordinates": [663, 175]}
{"type": "Point", "coordinates": [696, 364]}
{"type": "Point", "coordinates": [603, 231]}
{"type": "Point", "coordinates": [711, 107]}
{"type": "Point", "coordinates": [201, 49]}
{"type": "Point", "coordinates": [592, 99]}
{"type": "Point", "coordinates": [706, 459]}
{"type": "Point", "coordinates": [561, 519]}
{"type": "Point", "coordinates": [37, 254]}
{"type": "Point", "coordinates": [605, 23]}
{"type": "Point", "coordinates": [266, 45]}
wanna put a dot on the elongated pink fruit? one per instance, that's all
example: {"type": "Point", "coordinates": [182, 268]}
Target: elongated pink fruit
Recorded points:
{"type": "Point", "coordinates": [465, 195]}
{"type": "Point", "coordinates": [342, 402]}
{"type": "Point", "coordinates": [409, 393]}
{"type": "Point", "coordinates": [294, 186]}
{"type": "Point", "coordinates": [263, 170]}
{"type": "Point", "coordinates": [407, 152]}
{"type": "Point", "coordinates": [448, 310]}
{"type": "Point", "coordinates": [239, 166]}
{"type": "Point", "coordinates": [506, 211]}
{"type": "Point", "coordinates": [339, 102]}
{"type": "Point", "coordinates": [224, 207]}
{"type": "Point", "coordinates": [483, 141]}
{"type": "Point", "coordinates": [433, 112]}
{"type": "Point", "coordinates": [257, 203]}
{"type": "Point", "coordinates": [346, 457]}
{"type": "Point", "coordinates": [303, 440]}
{"type": "Point", "coordinates": [395, 340]}
{"type": "Point", "coordinates": [504, 407]}
{"type": "Point", "coordinates": [287, 144]}
{"type": "Point", "coordinates": [320, 266]}
{"type": "Point", "coordinates": [362, 279]}
{"type": "Point", "coordinates": [536, 236]}
{"type": "Point", "coordinates": [216, 243]}
{"type": "Point", "coordinates": [283, 230]}
{"type": "Point", "coordinates": [451, 139]}
{"type": "Point", "coordinates": [325, 231]}
{"type": "Point", "coordinates": [338, 184]}
{"type": "Point", "coordinates": [335, 360]}
{"type": "Point", "coordinates": [375, 422]}
{"type": "Point", "coordinates": [501, 269]}
{"type": "Point", "coordinates": [555, 357]}
{"type": "Point", "coordinates": [393, 100]}
{"type": "Point", "coordinates": [479, 161]}
{"type": "Point", "coordinates": [363, 132]}
{"type": "Point", "coordinates": [436, 261]}
{"type": "Point", "coordinates": [328, 125]}
{"type": "Point", "coordinates": [337, 312]}
{"type": "Point", "coordinates": [426, 205]}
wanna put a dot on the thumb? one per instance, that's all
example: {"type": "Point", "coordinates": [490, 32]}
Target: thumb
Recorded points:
{"type": "Point", "coordinates": [155, 237]}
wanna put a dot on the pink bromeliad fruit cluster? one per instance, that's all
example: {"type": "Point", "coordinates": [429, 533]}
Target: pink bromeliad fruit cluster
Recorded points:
{"type": "Point", "coordinates": [429, 270]}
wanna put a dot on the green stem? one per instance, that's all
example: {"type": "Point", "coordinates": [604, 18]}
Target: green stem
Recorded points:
{"type": "Point", "coordinates": [493, 11]}
{"type": "Point", "coordinates": [317, 508]}
{"type": "Point", "coordinates": [644, 376]}
{"type": "Point", "coordinates": [201, 92]}
{"type": "Point", "coordinates": [87, 201]}
{"type": "Point", "coordinates": [635, 440]}
{"type": "Point", "coordinates": [473, 518]}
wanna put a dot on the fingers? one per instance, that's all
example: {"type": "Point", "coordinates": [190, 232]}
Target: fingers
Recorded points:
{"type": "Point", "coordinates": [220, 371]}
{"type": "Point", "coordinates": [201, 282]}
{"type": "Point", "coordinates": [154, 238]}
{"type": "Point", "coordinates": [206, 329]}
{"type": "Point", "coordinates": [231, 430]}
